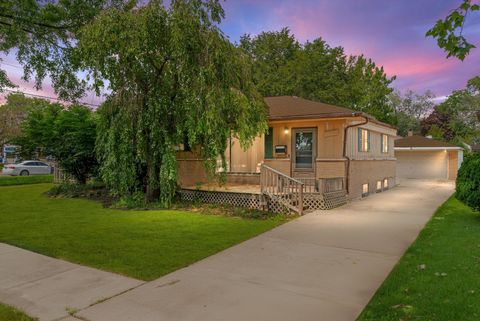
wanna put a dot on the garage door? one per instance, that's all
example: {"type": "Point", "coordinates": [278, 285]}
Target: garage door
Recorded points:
{"type": "Point", "coordinates": [422, 164]}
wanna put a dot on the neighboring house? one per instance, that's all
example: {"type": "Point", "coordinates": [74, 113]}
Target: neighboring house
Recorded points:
{"type": "Point", "coordinates": [423, 157]}
{"type": "Point", "coordinates": [329, 148]}
{"type": "Point", "coordinates": [476, 148]}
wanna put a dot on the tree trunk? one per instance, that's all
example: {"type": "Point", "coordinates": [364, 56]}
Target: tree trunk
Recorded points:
{"type": "Point", "coordinates": [152, 192]}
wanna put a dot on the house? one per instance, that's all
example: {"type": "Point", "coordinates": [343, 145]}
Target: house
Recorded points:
{"type": "Point", "coordinates": [427, 158]}
{"type": "Point", "coordinates": [329, 149]}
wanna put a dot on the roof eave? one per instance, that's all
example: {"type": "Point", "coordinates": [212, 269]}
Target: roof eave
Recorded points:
{"type": "Point", "coordinates": [315, 116]}
{"type": "Point", "coordinates": [429, 148]}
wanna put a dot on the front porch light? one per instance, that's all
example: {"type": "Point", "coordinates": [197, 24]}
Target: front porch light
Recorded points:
{"type": "Point", "coordinates": [286, 130]}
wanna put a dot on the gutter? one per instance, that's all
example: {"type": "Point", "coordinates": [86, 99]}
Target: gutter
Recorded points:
{"type": "Point", "coordinates": [428, 148]}
{"type": "Point", "coordinates": [326, 116]}
{"type": "Point", "coordinates": [347, 170]}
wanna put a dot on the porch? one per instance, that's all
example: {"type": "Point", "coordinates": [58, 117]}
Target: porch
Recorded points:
{"type": "Point", "coordinates": [274, 192]}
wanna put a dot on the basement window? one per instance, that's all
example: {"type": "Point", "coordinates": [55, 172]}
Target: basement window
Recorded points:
{"type": "Point", "coordinates": [385, 183]}
{"type": "Point", "coordinates": [365, 190]}
{"type": "Point", "coordinates": [379, 186]}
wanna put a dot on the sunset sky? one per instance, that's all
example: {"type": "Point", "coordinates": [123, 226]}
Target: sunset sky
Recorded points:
{"type": "Point", "coordinates": [391, 32]}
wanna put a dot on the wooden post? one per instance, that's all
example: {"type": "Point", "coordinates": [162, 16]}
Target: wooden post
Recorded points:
{"type": "Point", "coordinates": [300, 202]}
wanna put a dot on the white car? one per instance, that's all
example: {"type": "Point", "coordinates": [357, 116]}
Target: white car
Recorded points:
{"type": "Point", "coordinates": [26, 168]}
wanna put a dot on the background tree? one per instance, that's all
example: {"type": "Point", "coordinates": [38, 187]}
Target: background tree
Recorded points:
{"type": "Point", "coordinates": [273, 54]}
{"type": "Point", "coordinates": [437, 124]}
{"type": "Point", "coordinates": [66, 133]}
{"type": "Point", "coordinates": [411, 108]}
{"type": "Point", "coordinates": [316, 71]}
{"type": "Point", "coordinates": [12, 114]}
{"type": "Point", "coordinates": [457, 116]}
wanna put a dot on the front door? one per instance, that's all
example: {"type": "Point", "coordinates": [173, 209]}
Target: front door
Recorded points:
{"type": "Point", "coordinates": [304, 150]}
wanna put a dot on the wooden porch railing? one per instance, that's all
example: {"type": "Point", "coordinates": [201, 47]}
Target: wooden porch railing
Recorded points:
{"type": "Point", "coordinates": [282, 188]}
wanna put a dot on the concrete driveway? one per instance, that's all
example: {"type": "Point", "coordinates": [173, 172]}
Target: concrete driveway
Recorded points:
{"type": "Point", "coordinates": [325, 265]}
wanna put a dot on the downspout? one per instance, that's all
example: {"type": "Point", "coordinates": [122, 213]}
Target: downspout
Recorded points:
{"type": "Point", "coordinates": [230, 153]}
{"type": "Point", "coordinates": [347, 173]}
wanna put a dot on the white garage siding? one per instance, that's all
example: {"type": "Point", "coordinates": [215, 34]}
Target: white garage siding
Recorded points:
{"type": "Point", "coordinates": [422, 164]}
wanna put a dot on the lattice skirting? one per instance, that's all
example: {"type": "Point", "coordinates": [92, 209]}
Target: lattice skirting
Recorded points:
{"type": "Point", "coordinates": [312, 201]}
{"type": "Point", "coordinates": [246, 200]}
{"type": "Point", "coordinates": [325, 201]}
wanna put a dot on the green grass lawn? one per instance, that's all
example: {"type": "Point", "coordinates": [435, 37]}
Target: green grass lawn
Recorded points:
{"type": "Point", "coordinates": [140, 244]}
{"type": "Point", "coordinates": [22, 180]}
{"type": "Point", "coordinates": [8, 313]}
{"type": "Point", "coordinates": [438, 279]}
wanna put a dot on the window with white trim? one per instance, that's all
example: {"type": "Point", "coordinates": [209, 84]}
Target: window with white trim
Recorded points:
{"type": "Point", "coordinates": [363, 140]}
{"type": "Point", "coordinates": [384, 143]}
{"type": "Point", "coordinates": [379, 186]}
{"type": "Point", "coordinates": [385, 183]}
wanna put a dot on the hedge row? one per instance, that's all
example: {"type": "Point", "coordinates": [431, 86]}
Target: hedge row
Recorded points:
{"type": "Point", "coordinates": [468, 181]}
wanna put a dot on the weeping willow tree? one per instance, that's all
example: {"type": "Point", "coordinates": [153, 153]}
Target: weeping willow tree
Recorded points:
{"type": "Point", "coordinates": [173, 76]}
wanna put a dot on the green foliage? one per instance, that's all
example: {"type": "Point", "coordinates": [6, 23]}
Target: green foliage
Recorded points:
{"type": "Point", "coordinates": [436, 132]}
{"type": "Point", "coordinates": [37, 129]}
{"type": "Point", "coordinates": [12, 114]}
{"type": "Point", "coordinates": [8, 313]}
{"type": "Point", "coordinates": [448, 32]}
{"type": "Point", "coordinates": [73, 143]}
{"type": "Point", "coordinates": [410, 109]}
{"type": "Point", "coordinates": [468, 181]}
{"type": "Point", "coordinates": [66, 133]}
{"type": "Point", "coordinates": [457, 116]}
{"type": "Point", "coordinates": [316, 71]}
{"type": "Point", "coordinates": [183, 81]}
{"type": "Point", "coordinates": [44, 36]}
{"type": "Point", "coordinates": [72, 190]}
{"type": "Point", "coordinates": [140, 244]}
{"type": "Point", "coordinates": [134, 201]}
{"type": "Point", "coordinates": [25, 180]}
{"type": "Point", "coordinates": [228, 210]}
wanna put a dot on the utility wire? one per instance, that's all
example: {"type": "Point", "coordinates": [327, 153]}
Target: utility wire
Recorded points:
{"type": "Point", "coordinates": [45, 97]}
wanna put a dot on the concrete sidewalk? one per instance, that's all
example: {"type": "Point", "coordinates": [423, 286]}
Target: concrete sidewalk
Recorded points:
{"type": "Point", "coordinates": [45, 287]}
{"type": "Point", "coordinates": [323, 266]}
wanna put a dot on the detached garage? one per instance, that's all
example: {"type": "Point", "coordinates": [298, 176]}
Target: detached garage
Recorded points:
{"type": "Point", "coordinates": [422, 157]}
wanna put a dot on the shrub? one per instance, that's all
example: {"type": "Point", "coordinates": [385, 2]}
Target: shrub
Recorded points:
{"type": "Point", "coordinates": [468, 181]}
{"type": "Point", "coordinates": [94, 190]}
{"type": "Point", "coordinates": [134, 201]}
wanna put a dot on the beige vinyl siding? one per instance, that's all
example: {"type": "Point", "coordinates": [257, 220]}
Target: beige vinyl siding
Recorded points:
{"type": "Point", "coordinates": [375, 151]}
{"type": "Point", "coordinates": [245, 161]}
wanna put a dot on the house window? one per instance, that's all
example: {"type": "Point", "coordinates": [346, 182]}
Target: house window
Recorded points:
{"type": "Point", "coordinates": [363, 140]}
{"type": "Point", "coordinates": [385, 183]}
{"type": "Point", "coordinates": [365, 190]}
{"type": "Point", "coordinates": [384, 143]}
{"type": "Point", "coordinates": [379, 186]}
{"type": "Point", "coordinates": [269, 143]}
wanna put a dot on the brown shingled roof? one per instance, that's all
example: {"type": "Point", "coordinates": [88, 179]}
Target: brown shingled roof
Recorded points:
{"type": "Point", "coordinates": [420, 141]}
{"type": "Point", "coordinates": [291, 107]}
